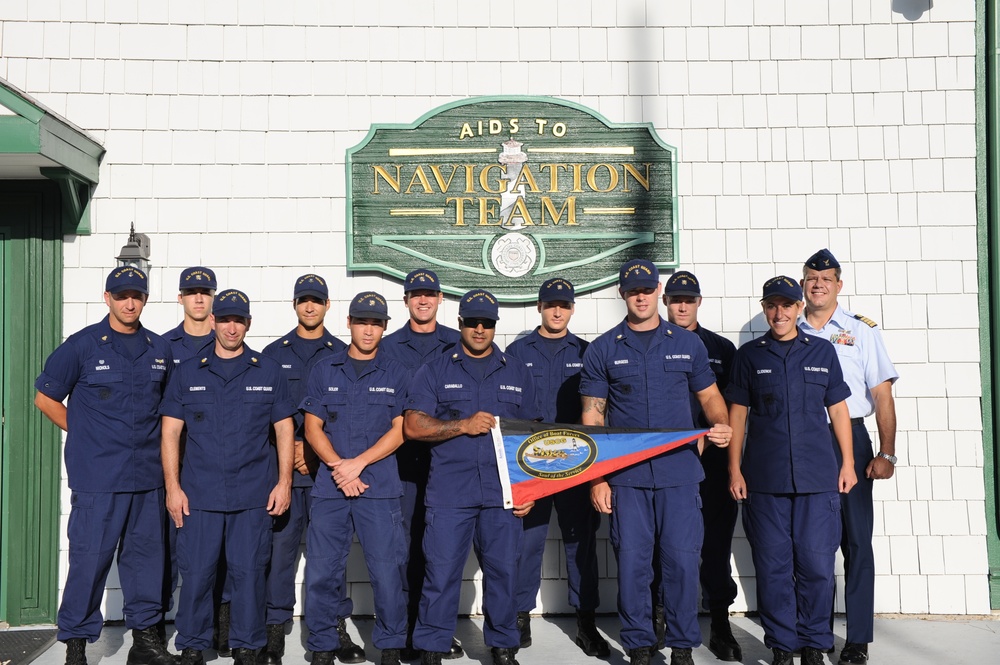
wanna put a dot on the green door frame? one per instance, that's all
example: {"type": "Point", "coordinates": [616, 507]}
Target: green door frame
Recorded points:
{"type": "Point", "coordinates": [988, 214]}
{"type": "Point", "coordinates": [31, 450]}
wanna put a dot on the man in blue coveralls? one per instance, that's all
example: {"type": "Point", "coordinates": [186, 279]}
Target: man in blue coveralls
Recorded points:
{"type": "Point", "coordinates": [870, 374]}
{"type": "Point", "coordinates": [422, 339]}
{"type": "Point", "coordinates": [354, 421]}
{"type": "Point", "coordinates": [641, 373]}
{"type": "Point", "coordinates": [682, 296]}
{"type": "Point", "coordinates": [231, 485]}
{"type": "Point", "coordinates": [297, 353]}
{"type": "Point", "coordinates": [555, 357]}
{"type": "Point", "coordinates": [783, 386]}
{"type": "Point", "coordinates": [114, 373]}
{"type": "Point", "coordinates": [193, 336]}
{"type": "Point", "coordinates": [453, 402]}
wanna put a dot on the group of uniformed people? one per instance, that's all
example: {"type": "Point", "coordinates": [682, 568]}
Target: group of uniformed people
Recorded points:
{"type": "Point", "coordinates": [387, 438]}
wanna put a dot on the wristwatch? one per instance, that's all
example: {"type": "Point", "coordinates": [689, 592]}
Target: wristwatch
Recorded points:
{"type": "Point", "coordinates": [886, 456]}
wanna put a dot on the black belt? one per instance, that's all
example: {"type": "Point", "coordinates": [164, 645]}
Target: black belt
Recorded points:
{"type": "Point", "coordinates": [857, 421]}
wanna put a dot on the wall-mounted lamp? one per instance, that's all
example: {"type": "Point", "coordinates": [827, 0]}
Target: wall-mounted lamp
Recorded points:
{"type": "Point", "coordinates": [135, 252]}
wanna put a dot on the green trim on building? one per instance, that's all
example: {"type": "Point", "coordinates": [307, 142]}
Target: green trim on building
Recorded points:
{"type": "Point", "coordinates": [30, 450]}
{"type": "Point", "coordinates": [987, 187]}
{"type": "Point", "coordinates": [56, 148]}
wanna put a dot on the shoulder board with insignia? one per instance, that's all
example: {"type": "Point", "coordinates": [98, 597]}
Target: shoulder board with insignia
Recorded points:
{"type": "Point", "coordinates": [865, 320]}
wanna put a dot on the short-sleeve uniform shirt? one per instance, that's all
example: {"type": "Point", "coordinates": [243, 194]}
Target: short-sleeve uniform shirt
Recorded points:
{"type": "Point", "coordinates": [181, 347]}
{"type": "Point", "coordinates": [414, 349]}
{"type": "Point", "coordinates": [555, 366]}
{"type": "Point", "coordinates": [113, 439]}
{"type": "Point", "coordinates": [463, 470]}
{"type": "Point", "coordinates": [650, 388]}
{"type": "Point", "coordinates": [862, 355]}
{"type": "Point", "coordinates": [229, 462]}
{"type": "Point", "coordinates": [356, 411]}
{"type": "Point", "coordinates": [789, 448]}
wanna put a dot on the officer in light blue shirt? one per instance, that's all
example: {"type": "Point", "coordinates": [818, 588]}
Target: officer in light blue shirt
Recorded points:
{"type": "Point", "coordinates": [870, 374]}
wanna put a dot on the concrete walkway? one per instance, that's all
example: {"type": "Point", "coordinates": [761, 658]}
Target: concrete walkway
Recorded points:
{"type": "Point", "coordinates": [909, 640]}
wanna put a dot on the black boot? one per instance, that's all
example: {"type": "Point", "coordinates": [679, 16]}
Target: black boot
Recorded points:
{"type": "Point", "coordinates": [812, 656]}
{"type": "Point", "coordinates": [220, 632]}
{"type": "Point", "coordinates": [587, 637]}
{"type": "Point", "coordinates": [721, 641]}
{"type": "Point", "coordinates": [427, 658]}
{"type": "Point", "coordinates": [243, 656]}
{"type": "Point", "coordinates": [76, 651]}
{"type": "Point", "coordinates": [390, 657]}
{"type": "Point", "coordinates": [323, 658]}
{"type": "Point", "coordinates": [349, 652]}
{"type": "Point", "coordinates": [455, 651]}
{"type": "Point", "coordinates": [639, 656]}
{"type": "Point", "coordinates": [191, 656]}
{"type": "Point", "coordinates": [781, 657]}
{"type": "Point", "coordinates": [681, 657]}
{"type": "Point", "coordinates": [503, 656]}
{"type": "Point", "coordinates": [659, 625]}
{"type": "Point", "coordinates": [147, 649]}
{"type": "Point", "coordinates": [524, 627]}
{"type": "Point", "coordinates": [275, 648]}
{"type": "Point", "coordinates": [854, 654]}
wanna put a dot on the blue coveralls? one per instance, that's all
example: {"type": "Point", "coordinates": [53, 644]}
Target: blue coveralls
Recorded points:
{"type": "Point", "coordinates": [792, 511]}
{"type": "Point", "coordinates": [228, 471]}
{"type": "Point", "coordinates": [297, 358]}
{"type": "Point", "coordinates": [464, 499]}
{"type": "Point", "coordinates": [718, 508]}
{"type": "Point", "coordinates": [356, 411]}
{"type": "Point", "coordinates": [655, 503]}
{"type": "Point", "coordinates": [555, 369]}
{"type": "Point", "coordinates": [414, 457]}
{"type": "Point", "coordinates": [178, 341]}
{"type": "Point", "coordinates": [866, 364]}
{"type": "Point", "coordinates": [112, 458]}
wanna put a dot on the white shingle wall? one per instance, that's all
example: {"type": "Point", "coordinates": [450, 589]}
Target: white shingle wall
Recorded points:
{"type": "Point", "coordinates": [799, 125]}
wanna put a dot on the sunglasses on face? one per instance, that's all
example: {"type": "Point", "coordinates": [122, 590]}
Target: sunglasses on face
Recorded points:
{"type": "Point", "coordinates": [475, 323]}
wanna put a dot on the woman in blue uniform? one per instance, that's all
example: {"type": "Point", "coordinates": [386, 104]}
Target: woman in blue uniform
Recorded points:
{"type": "Point", "coordinates": [782, 387]}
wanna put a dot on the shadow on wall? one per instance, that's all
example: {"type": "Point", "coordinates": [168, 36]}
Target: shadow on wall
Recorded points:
{"type": "Point", "coordinates": [912, 10]}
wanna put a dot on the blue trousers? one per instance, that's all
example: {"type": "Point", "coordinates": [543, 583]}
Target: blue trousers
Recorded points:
{"type": "Point", "coordinates": [794, 540]}
{"type": "Point", "coordinates": [578, 522]}
{"type": "Point", "coordinates": [101, 524]}
{"type": "Point", "coordinates": [856, 543]}
{"type": "Point", "coordinates": [379, 525]}
{"type": "Point", "coordinates": [243, 538]}
{"type": "Point", "coordinates": [413, 460]}
{"type": "Point", "coordinates": [719, 511]}
{"type": "Point", "coordinates": [667, 520]}
{"type": "Point", "coordinates": [495, 534]}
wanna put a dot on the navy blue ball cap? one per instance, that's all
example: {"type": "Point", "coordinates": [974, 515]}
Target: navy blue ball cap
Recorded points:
{"type": "Point", "coordinates": [369, 305]}
{"type": "Point", "coordinates": [682, 283]}
{"type": "Point", "coordinates": [783, 286]}
{"type": "Point", "coordinates": [421, 279]}
{"type": "Point", "coordinates": [479, 304]}
{"type": "Point", "coordinates": [638, 274]}
{"type": "Point", "coordinates": [556, 289]}
{"type": "Point", "coordinates": [198, 277]}
{"type": "Point", "coordinates": [822, 260]}
{"type": "Point", "coordinates": [311, 285]}
{"type": "Point", "coordinates": [127, 278]}
{"type": "Point", "coordinates": [231, 303]}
